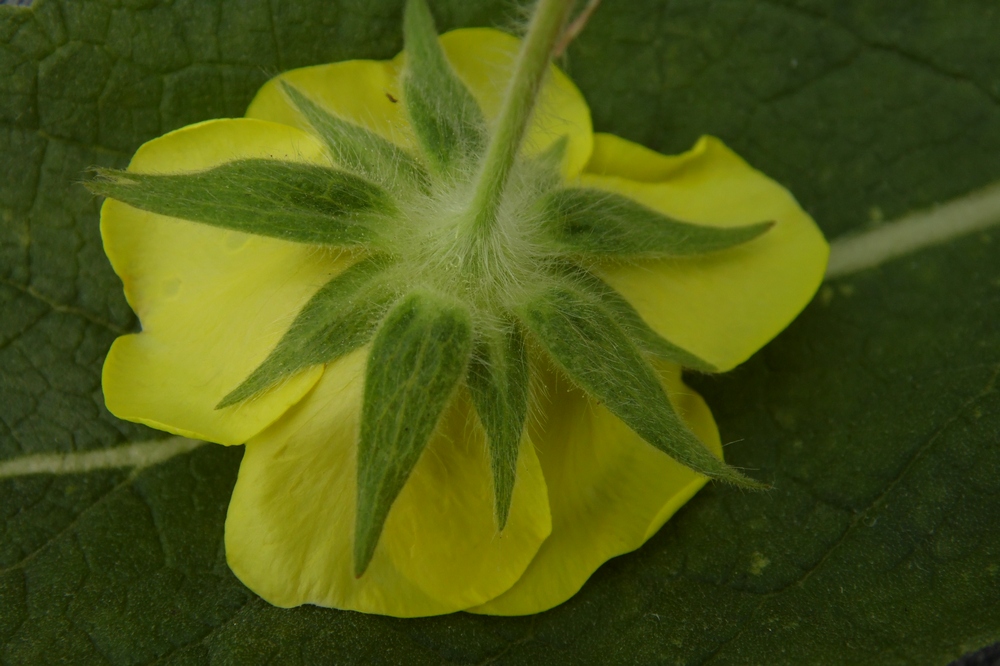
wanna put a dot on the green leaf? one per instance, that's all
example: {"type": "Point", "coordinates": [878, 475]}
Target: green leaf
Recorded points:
{"type": "Point", "coordinates": [874, 415]}
{"type": "Point", "coordinates": [339, 318]}
{"type": "Point", "coordinates": [416, 362]}
{"type": "Point", "coordinates": [357, 149]}
{"type": "Point", "coordinates": [498, 383]}
{"type": "Point", "coordinates": [303, 203]}
{"type": "Point", "coordinates": [445, 116]}
{"type": "Point", "coordinates": [595, 223]}
{"type": "Point", "coordinates": [597, 354]}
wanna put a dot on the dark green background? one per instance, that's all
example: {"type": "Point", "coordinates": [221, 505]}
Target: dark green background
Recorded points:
{"type": "Point", "coordinates": [876, 414]}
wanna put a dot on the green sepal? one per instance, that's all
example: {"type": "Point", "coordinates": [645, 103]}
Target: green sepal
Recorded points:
{"type": "Point", "coordinates": [545, 168]}
{"type": "Point", "coordinates": [498, 383]}
{"type": "Point", "coordinates": [418, 357]}
{"type": "Point", "coordinates": [583, 338]}
{"type": "Point", "coordinates": [339, 318]}
{"type": "Point", "coordinates": [648, 340]}
{"type": "Point", "coordinates": [357, 149]}
{"type": "Point", "coordinates": [304, 203]}
{"type": "Point", "coordinates": [445, 116]}
{"type": "Point", "coordinates": [591, 222]}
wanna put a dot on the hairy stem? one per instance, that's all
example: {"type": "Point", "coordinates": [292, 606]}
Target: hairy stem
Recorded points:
{"type": "Point", "coordinates": [522, 92]}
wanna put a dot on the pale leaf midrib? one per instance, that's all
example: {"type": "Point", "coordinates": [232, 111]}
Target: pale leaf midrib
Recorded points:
{"type": "Point", "coordinates": [137, 455]}
{"type": "Point", "coordinates": [915, 231]}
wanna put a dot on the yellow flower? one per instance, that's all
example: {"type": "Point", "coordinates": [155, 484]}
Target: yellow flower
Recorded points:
{"type": "Point", "coordinates": [215, 302]}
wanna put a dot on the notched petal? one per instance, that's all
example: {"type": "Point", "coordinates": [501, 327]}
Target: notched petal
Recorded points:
{"type": "Point", "coordinates": [213, 302]}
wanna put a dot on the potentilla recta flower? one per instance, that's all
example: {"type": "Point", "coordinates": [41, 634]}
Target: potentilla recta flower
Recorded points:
{"type": "Point", "coordinates": [447, 319]}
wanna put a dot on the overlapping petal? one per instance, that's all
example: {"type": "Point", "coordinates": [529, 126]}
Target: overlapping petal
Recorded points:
{"type": "Point", "coordinates": [609, 490]}
{"type": "Point", "coordinates": [212, 302]}
{"type": "Point", "coordinates": [726, 305]}
{"type": "Point", "coordinates": [291, 519]}
{"type": "Point", "coordinates": [368, 93]}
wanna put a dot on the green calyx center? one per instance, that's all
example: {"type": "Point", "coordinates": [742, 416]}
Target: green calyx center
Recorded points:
{"type": "Point", "coordinates": [473, 264]}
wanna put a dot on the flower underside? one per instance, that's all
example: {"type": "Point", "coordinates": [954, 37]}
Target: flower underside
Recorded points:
{"type": "Point", "coordinates": [450, 285]}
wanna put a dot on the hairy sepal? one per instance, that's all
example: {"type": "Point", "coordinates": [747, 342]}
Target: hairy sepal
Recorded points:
{"type": "Point", "coordinates": [445, 116]}
{"type": "Point", "coordinates": [645, 338]}
{"type": "Point", "coordinates": [339, 318]}
{"type": "Point", "coordinates": [357, 149]}
{"type": "Point", "coordinates": [303, 203]}
{"type": "Point", "coordinates": [596, 223]}
{"type": "Point", "coordinates": [583, 338]}
{"type": "Point", "coordinates": [498, 383]}
{"type": "Point", "coordinates": [418, 357]}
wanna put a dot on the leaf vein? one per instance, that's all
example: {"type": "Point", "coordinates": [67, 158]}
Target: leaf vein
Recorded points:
{"type": "Point", "coordinates": [860, 515]}
{"type": "Point", "coordinates": [61, 308]}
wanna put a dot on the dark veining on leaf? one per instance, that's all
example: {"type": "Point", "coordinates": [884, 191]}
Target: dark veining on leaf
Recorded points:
{"type": "Point", "coordinates": [55, 306]}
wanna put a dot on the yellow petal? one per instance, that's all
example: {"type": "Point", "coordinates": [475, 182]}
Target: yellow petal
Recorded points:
{"type": "Point", "coordinates": [359, 91]}
{"type": "Point", "coordinates": [609, 491]}
{"type": "Point", "coordinates": [212, 302]}
{"type": "Point", "coordinates": [291, 519]}
{"type": "Point", "coordinates": [362, 92]}
{"type": "Point", "coordinates": [726, 305]}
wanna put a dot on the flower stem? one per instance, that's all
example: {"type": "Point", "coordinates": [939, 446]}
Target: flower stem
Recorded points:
{"type": "Point", "coordinates": [522, 92]}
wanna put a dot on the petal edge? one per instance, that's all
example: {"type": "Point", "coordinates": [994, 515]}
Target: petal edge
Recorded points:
{"type": "Point", "coordinates": [723, 306]}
